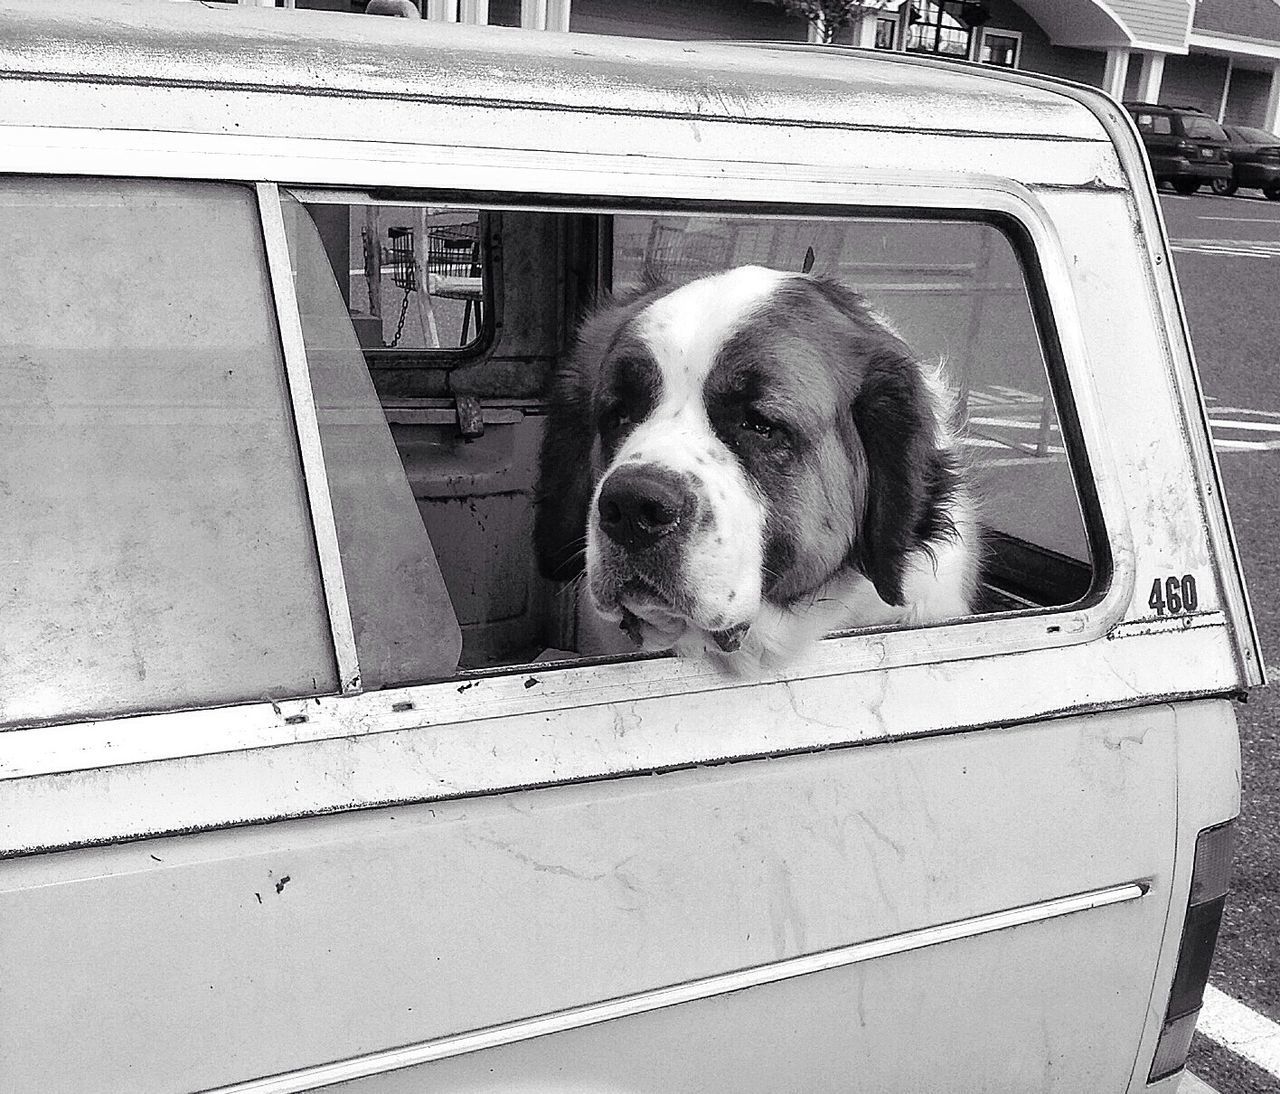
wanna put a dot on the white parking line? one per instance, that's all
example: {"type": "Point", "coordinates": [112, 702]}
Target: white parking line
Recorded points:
{"type": "Point", "coordinates": [1012, 414]}
{"type": "Point", "coordinates": [1243, 220]}
{"type": "Point", "coordinates": [1245, 1032]}
{"type": "Point", "coordinates": [1215, 409]}
{"type": "Point", "coordinates": [1232, 248]}
{"type": "Point", "coordinates": [1257, 427]}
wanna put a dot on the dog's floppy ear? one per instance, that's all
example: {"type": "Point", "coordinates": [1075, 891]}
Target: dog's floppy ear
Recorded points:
{"type": "Point", "coordinates": [566, 466]}
{"type": "Point", "coordinates": [894, 420]}
{"type": "Point", "coordinates": [892, 416]}
{"type": "Point", "coordinates": [565, 480]}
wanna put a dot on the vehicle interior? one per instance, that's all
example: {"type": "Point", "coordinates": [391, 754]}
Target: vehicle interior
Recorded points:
{"type": "Point", "coordinates": [461, 314]}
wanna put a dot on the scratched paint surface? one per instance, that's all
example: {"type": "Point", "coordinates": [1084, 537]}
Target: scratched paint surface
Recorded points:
{"type": "Point", "coordinates": [253, 951]}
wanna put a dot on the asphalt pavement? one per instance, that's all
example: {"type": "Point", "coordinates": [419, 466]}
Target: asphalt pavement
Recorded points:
{"type": "Point", "coordinates": [1227, 258]}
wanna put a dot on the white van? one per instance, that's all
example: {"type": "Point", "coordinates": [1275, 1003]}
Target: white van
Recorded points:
{"type": "Point", "coordinates": [288, 799]}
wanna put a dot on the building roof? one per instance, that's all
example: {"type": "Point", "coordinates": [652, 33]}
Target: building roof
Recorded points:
{"type": "Point", "coordinates": [1257, 19]}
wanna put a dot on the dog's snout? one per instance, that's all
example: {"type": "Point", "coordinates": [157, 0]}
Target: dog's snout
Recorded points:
{"type": "Point", "coordinates": [640, 505]}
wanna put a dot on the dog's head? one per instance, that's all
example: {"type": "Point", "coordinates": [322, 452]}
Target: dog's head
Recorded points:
{"type": "Point", "coordinates": [729, 443]}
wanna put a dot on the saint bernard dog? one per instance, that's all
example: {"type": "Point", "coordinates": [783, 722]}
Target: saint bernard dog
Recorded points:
{"type": "Point", "coordinates": [748, 461]}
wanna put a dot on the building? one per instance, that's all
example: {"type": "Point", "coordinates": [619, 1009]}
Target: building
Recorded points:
{"type": "Point", "coordinates": [1222, 56]}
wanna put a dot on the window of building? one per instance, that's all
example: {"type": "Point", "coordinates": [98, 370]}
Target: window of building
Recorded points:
{"type": "Point", "coordinates": [887, 33]}
{"type": "Point", "coordinates": [1000, 47]}
{"type": "Point", "coordinates": [940, 26]}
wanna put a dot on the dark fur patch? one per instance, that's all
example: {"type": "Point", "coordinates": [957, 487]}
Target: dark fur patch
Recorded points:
{"type": "Point", "coordinates": [568, 461]}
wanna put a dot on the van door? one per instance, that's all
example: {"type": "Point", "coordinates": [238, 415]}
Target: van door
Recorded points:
{"type": "Point", "coordinates": [944, 858]}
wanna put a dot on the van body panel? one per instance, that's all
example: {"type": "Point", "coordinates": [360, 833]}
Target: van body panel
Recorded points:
{"type": "Point", "coordinates": [254, 951]}
{"type": "Point", "coordinates": [332, 57]}
{"type": "Point", "coordinates": [637, 874]}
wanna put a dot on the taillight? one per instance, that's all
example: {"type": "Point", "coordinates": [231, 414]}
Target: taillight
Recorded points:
{"type": "Point", "coordinates": [1209, 878]}
{"type": "Point", "coordinates": [1185, 146]}
{"type": "Point", "coordinates": [1269, 153]}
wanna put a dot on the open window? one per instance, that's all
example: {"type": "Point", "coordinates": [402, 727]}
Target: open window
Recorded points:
{"type": "Point", "coordinates": [467, 428]}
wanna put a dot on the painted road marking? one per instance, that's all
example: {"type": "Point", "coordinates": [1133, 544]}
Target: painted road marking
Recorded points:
{"type": "Point", "coordinates": [1242, 410]}
{"type": "Point", "coordinates": [1005, 416]}
{"type": "Point", "coordinates": [1229, 423]}
{"type": "Point", "coordinates": [1245, 1032]}
{"type": "Point", "coordinates": [1243, 220]}
{"type": "Point", "coordinates": [1232, 248]}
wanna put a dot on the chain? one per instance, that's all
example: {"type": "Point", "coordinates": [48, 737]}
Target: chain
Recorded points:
{"type": "Point", "coordinates": [404, 310]}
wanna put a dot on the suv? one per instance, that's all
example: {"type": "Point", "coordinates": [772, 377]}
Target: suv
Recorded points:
{"type": "Point", "coordinates": [1185, 146]}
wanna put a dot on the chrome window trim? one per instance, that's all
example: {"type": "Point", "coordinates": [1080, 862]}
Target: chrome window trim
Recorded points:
{"type": "Point", "coordinates": [425, 1052]}
{"type": "Point", "coordinates": [302, 399]}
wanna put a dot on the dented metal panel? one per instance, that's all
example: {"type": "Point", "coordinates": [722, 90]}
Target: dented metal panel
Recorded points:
{"type": "Point", "coordinates": [312, 942]}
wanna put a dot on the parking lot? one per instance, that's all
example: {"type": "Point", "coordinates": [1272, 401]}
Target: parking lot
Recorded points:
{"type": "Point", "coordinates": [1226, 251]}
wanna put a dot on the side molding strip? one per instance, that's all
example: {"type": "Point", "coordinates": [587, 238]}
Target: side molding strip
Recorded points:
{"type": "Point", "coordinates": [375, 1063]}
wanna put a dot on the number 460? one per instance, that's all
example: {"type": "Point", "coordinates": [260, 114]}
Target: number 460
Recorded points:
{"type": "Point", "coordinates": [1174, 595]}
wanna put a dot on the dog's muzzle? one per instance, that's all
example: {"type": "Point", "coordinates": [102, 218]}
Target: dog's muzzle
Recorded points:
{"type": "Point", "coordinates": [642, 505]}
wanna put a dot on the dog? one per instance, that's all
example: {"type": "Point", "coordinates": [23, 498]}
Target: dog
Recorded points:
{"type": "Point", "coordinates": [748, 461]}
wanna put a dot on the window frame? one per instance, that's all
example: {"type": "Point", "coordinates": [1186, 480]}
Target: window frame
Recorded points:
{"type": "Point", "coordinates": [1015, 35]}
{"type": "Point", "coordinates": [890, 22]}
{"type": "Point", "coordinates": [937, 25]}
{"type": "Point", "coordinates": [443, 358]}
{"type": "Point", "coordinates": [493, 727]}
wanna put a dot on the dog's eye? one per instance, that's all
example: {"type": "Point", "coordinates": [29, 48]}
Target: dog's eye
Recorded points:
{"type": "Point", "coordinates": [754, 422]}
{"type": "Point", "coordinates": [614, 418]}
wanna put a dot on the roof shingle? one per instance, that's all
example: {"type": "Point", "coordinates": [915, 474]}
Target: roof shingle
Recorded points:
{"type": "Point", "coordinates": [1240, 18]}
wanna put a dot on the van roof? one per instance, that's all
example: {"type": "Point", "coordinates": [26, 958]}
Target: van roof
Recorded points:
{"type": "Point", "coordinates": [185, 43]}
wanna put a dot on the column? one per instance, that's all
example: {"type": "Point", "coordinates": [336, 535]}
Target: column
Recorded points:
{"type": "Point", "coordinates": [864, 30]}
{"type": "Point", "coordinates": [558, 15]}
{"type": "Point", "coordinates": [473, 11]}
{"type": "Point", "coordinates": [1117, 71]}
{"type": "Point", "coordinates": [1273, 102]}
{"type": "Point", "coordinates": [1226, 89]}
{"type": "Point", "coordinates": [1150, 77]}
{"type": "Point", "coordinates": [544, 14]}
{"type": "Point", "coordinates": [442, 11]}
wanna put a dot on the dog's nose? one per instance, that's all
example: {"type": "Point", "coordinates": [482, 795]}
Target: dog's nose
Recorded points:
{"type": "Point", "coordinates": [640, 505]}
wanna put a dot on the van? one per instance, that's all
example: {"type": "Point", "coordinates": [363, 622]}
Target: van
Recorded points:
{"type": "Point", "coordinates": [304, 781]}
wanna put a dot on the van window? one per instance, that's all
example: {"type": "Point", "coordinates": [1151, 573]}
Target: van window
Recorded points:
{"type": "Point", "coordinates": [156, 543]}
{"type": "Point", "coordinates": [1202, 128]}
{"type": "Point", "coordinates": [467, 431]}
{"type": "Point", "coordinates": [411, 276]}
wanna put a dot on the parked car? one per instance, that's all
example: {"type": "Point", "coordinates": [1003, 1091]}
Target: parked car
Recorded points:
{"type": "Point", "coordinates": [1185, 146]}
{"type": "Point", "coordinates": [304, 780]}
{"type": "Point", "coordinates": [1255, 162]}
